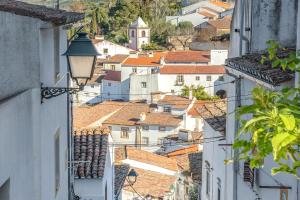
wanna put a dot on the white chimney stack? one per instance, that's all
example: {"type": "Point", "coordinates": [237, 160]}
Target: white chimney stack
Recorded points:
{"type": "Point", "coordinates": [190, 94]}
{"type": "Point", "coordinates": [142, 116]}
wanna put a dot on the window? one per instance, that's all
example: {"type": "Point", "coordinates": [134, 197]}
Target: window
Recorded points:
{"type": "Point", "coordinates": [109, 84]}
{"type": "Point", "coordinates": [56, 52]}
{"type": "Point", "coordinates": [160, 141]}
{"type": "Point", "coordinates": [162, 128]}
{"type": "Point", "coordinates": [284, 194]}
{"type": "Point", "coordinates": [105, 51]}
{"type": "Point", "coordinates": [92, 86]}
{"type": "Point", "coordinates": [113, 67]}
{"type": "Point", "coordinates": [145, 140]}
{"type": "Point", "coordinates": [146, 128]}
{"type": "Point", "coordinates": [4, 190]}
{"type": "Point", "coordinates": [221, 78]}
{"type": "Point", "coordinates": [180, 78]}
{"type": "Point", "coordinates": [134, 70]}
{"type": "Point", "coordinates": [207, 189]}
{"type": "Point", "coordinates": [172, 91]}
{"type": "Point", "coordinates": [144, 84]}
{"type": "Point", "coordinates": [143, 33]}
{"type": "Point", "coordinates": [109, 127]}
{"type": "Point", "coordinates": [124, 132]}
{"type": "Point", "coordinates": [132, 33]}
{"type": "Point", "coordinates": [167, 109]}
{"type": "Point", "coordinates": [197, 78]}
{"type": "Point", "coordinates": [208, 78]}
{"type": "Point", "coordinates": [219, 189]}
{"type": "Point", "coordinates": [56, 162]}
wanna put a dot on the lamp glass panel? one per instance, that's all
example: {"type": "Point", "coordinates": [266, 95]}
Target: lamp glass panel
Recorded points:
{"type": "Point", "coordinates": [81, 66]}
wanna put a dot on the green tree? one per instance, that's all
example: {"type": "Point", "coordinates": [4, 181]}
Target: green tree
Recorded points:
{"type": "Point", "coordinates": [93, 25]}
{"type": "Point", "coordinates": [275, 125]}
{"type": "Point", "coordinates": [198, 92]}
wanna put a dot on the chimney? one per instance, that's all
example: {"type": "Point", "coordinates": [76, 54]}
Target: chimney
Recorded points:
{"type": "Point", "coordinates": [142, 116]}
{"type": "Point", "coordinates": [99, 37]}
{"type": "Point", "coordinates": [190, 94]}
{"type": "Point", "coordinates": [162, 61]}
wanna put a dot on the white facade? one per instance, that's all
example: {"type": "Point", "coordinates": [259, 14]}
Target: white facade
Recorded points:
{"type": "Point", "coordinates": [31, 166]}
{"type": "Point", "coordinates": [112, 90]}
{"type": "Point", "coordinates": [91, 94]}
{"type": "Point", "coordinates": [94, 189]}
{"type": "Point", "coordinates": [109, 49]}
{"type": "Point", "coordinates": [138, 34]}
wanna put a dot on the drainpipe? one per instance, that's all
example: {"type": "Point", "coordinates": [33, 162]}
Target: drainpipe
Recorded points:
{"type": "Point", "coordinates": [242, 13]}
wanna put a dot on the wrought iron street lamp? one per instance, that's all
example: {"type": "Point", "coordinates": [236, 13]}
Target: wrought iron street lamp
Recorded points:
{"type": "Point", "coordinates": [81, 56]}
{"type": "Point", "coordinates": [132, 176]}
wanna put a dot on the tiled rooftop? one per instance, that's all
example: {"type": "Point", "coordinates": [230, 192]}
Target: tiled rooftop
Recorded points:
{"type": "Point", "coordinates": [90, 149]}
{"type": "Point", "coordinates": [57, 17]}
{"type": "Point", "coordinates": [121, 171]}
{"type": "Point", "coordinates": [146, 157]}
{"type": "Point", "coordinates": [118, 58]}
{"type": "Point", "coordinates": [113, 76]}
{"type": "Point", "coordinates": [190, 149]}
{"type": "Point", "coordinates": [177, 102]}
{"type": "Point", "coordinates": [151, 184]}
{"type": "Point", "coordinates": [144, 61]}
{"type": "Point", "coordinates": [214, 113]}
{"type": "Point", "coordinates": [195, 69]}
{"type": "Point", "coordinates": [251, 65]}
{"type": "Point", "coordinates": [162, 119]}
{"type": "Point", "coordinates": [187, 57]}
{"type": "Point", "coordinates": [223, 23]}
{"type": "Point", "coordinates": [85, 116]}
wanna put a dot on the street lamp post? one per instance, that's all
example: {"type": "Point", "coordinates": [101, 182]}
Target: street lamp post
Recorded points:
{"type": "Point", "coordinates": [81, 56]}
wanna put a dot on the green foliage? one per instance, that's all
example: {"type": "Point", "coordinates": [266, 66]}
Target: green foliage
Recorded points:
{"type": "Point", "coordinates": [93, 25]}
{"type": "Point", "coordinates": [151, 46]}
{"type": "Point", "coordinates": [198, 92]}
{"type": "Point", "coordinates": [193, 193]}
{"type": "Point", "coordinates": [274, 127]}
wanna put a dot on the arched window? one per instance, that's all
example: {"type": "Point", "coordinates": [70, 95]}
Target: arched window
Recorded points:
{"type": "Point", "coordinates": [132, 33]}
{"type": "Point", "coordinates": [143, 33]}
{"type": "Point", "coordinates": [221, 94]}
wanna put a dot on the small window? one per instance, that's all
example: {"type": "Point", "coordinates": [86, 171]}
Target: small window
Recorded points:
{"type": "Point", "coordinates": [143, 84]}
{"type": "Point", "coordinates": [167, 109]}
{"type": "Point", "coordinates": [180, 78]}
{"type": "Point", "coordinates": [145, 128]}
{"type": "Point", "coordinates": [132, 33]}
{"type": "Point", "coordinates": [197, 78]}
{"type": "Point", "coordinates": [160, 141]}
{"type": "Point", "coordinates": [145, 140]}
{"type": "Point", "coordinates": [162, 128]}
{"type": "Point", "coordinates": [221, 78]}
{"type": "Point", "coordinates": [92, 86]}
{"type": "Point", "coordinates": [134, 70]}
{"type": "Point", "coordinates": [172, 91]}
{"type": "Point", "coordinates": [57, 162]}
{"type": "Point", "coordinates": [124, 132]}
{"type": "Point", "coordinates": [105, 51]}
{"type": "Point", "coordinates": [143, 33]}
{"type": "Point", "coordinates": [208, 78]}
{"type": "Point", "coordinates": [207, 168]}
{"type": "Point", "coordinates": [113, 67]}
{"type": "Point", "coordinates": [109, 84]}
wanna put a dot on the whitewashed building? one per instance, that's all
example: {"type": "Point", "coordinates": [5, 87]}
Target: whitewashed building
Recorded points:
{"type": "Point", "coordinates": [245, 69]}
{"type": "Point", "coordinates": [138, 34]}
{"type": "Point", "coordinates": [33, 134]}
{"type": "Point", "coordinates": [108, 49]}
{"type": "Point", "coordinates": [94, 171]}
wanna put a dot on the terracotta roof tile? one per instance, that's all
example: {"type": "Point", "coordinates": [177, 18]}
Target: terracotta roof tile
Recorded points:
{"type": "Point", "coordinates": [152, 184]}
{"type": "Point", "coordinates": [112, 75]}
{"type": "Point", "coordinates": [196, 69]}
{"type": "Point", "coordinates": [162, 119]}
{"type": "Point", "coordinates": [223, 23]}
{"type": "Point", "coordinates": [224, 5]}
{"type": "Point", "coordinates": [146, 157]}
{"type": "Point", "coordinates": [90, 149]}
{"type": "Point", "coordinates": [129, 115]}
{"type": "Point", "coordinates": [214, 113]}
{"type": "Point", "coordinates": [57, 17]}
{"type": "Point", "coordinates": [250, 64]}
{"type": "Point", "coordinates": [121, 171]}
{"type": "Point", "coordinates": [118, 58]}
{"type": "Point", "coordinates": [144, 61]}
{"type": "Point", "coordinates": [190, 149]}
{"type": "Point", "coordinates": [85, 116]}
{"type": "Point", "coordinates": [176, 102]}
{"type": "Point", "coordinates": [187, 57]}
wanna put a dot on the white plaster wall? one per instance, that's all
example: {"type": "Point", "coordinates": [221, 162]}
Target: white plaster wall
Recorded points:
{"type": "Point", "coordinates": [136, 90]}
{"type": "Point", "coordinates": [113, 49]}
{"type": "Point", "coordinates": [90, 94]}
{"type": "Point", "coordinates": [192, 123]}
{"type": "Point", "coordinates": [116, 134]}
{"type": "Point", "coordinates": [154, 134]}
{"type": "Point", "coordinates": [218, 57]}
{"type": "Point", "coordinates": [114, 91]}
{"type": "Point", "coordinates": [166, 82]}
{"type": "Point", "coordinates": [108, 66]}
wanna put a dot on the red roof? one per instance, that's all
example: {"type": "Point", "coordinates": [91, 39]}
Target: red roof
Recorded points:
{"type": "Point", "coordinates": [112, 76]}
{"type": "Point", "coordinates": [194, 69]}
{"type": "Point", "coordinates": [187, 57]}
{"type": "Point", "coordinates": [190, 149]}
{"type": "Point", "coordinates": [143, 61]}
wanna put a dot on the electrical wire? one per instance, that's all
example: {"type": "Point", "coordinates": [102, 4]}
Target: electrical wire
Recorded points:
{"type": "Point", "coordinates": [135, 190]}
